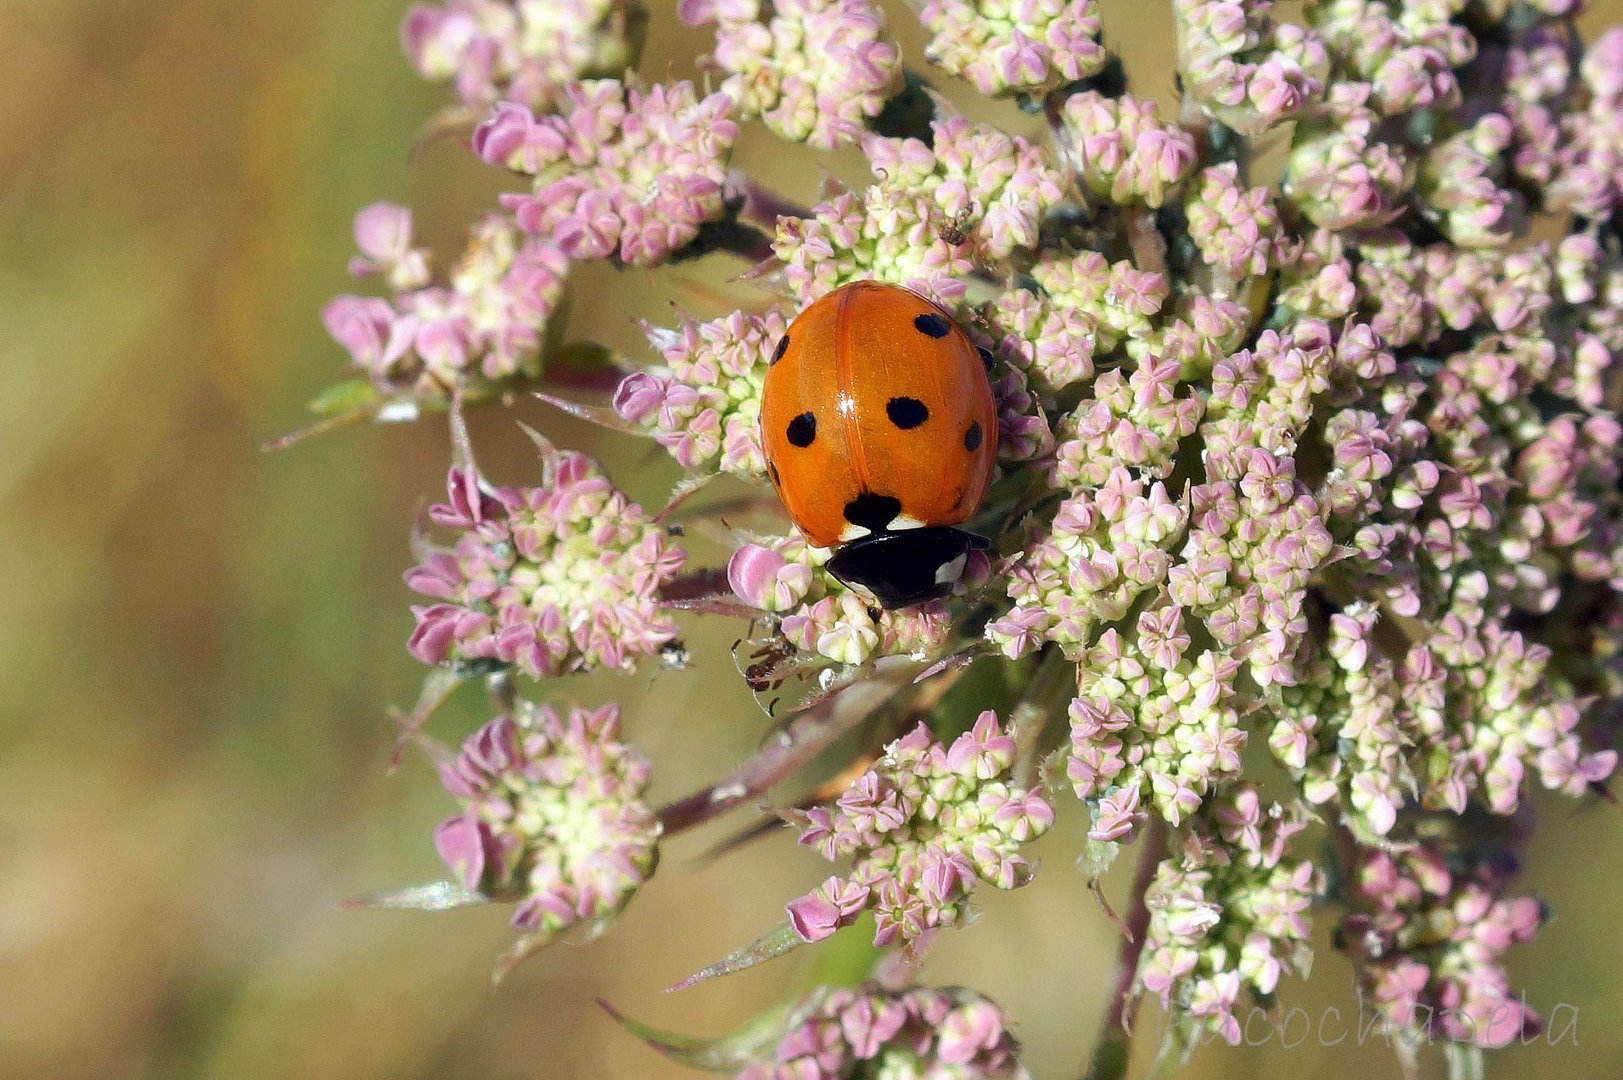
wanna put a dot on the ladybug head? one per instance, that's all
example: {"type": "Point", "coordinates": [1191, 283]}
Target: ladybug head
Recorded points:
{"type": "Point", "coordinates": [906, 567]}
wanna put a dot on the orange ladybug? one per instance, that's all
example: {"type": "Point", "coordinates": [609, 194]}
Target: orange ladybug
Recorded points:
{"type": "Point", "coordinates": [880, 434]}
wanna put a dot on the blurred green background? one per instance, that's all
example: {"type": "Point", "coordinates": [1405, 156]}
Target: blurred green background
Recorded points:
{"type": "Point", "coordinates": [203, 639]}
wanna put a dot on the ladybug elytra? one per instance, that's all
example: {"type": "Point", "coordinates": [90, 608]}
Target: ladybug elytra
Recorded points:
{"type": "Point", "coordinates": [880, 434]}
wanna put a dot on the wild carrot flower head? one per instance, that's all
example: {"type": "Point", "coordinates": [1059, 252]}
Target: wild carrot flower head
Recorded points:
{"type": "Point", "coordinates": [1307, 463]}
{"type": "Point", "coordinates": [1122, 150]}
{"type": "Point", "coordinates": [1003, 48]}
{"type": "Point", "coordinates": [523, 51]}
{"type": "Point", "coordinates": [551, 579]}
{"type": "Point", "coordinates": [814, 70]}
{"type": "Point", "coordinates": [487, 321]}
{"type": "Point", "coordinates": [1242, 67]}
{"type": "Point", "coordinates": [868, 1031]}
{"type": "Point", "coordinates": [1426, 936]}
{"type": "Point", "coordinates": [620, 171]}
{"type": "Point", "coordinates": [703, 403]}
{"type": "Point", "coordinates": [922, 828]}
{"type": "Point", "coordinates": [552, 816]}
{"type": "Point", "coordinates": [1229, 912]}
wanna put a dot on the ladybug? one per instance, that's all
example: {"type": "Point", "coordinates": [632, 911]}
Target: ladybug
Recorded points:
{"type": "Point", "coordinates": [880, 434]}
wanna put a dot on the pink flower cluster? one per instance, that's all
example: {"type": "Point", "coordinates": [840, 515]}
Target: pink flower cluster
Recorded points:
{"type": "Point", "coordinates": [1242, 67]}
{"type": "Point", "coordinates": [552, 579]}
{"type": "Point", "coordinates": [552, 816]}
{"type": "Point", "coordinates": [1122, 150]}
{"type": "Point", "coordinates": [1228, 912]}
{"type": "Point", "coordinates": [992, 187]}
{"type": "Point", "coordinates": [1104, 549]}
{"type": "Point", "coordinates": [1128, 426]}
{"type": "Point", "coordinates": [881, 234]}
{"type": "Point", "coordinates": [922, 827]}
{"type": "Point", "coordinates": [1323, 452]}
{"type": "Point", "coordinates": [1236, 228]}
{"type": "Point", "coordinates": [1427, 939]}
{"type": "Point", "coordinates": [619, 171]}
{"type": "Point", "coordinates": [1154, 726]}
{"type": "Point", "coordinates": [521, 50]}
{"type": "Point", "coordinates": [1031, 47]}
{"type": "Point", "coordinates": [487, 322]}
{"type": "Point", "coordinates": [1399, 59]}
{"type": "Point", "coordinates": [1343, 176]}
{"type": "Point", "coordinates": [950, 1034]}
{"type": "Point", "coordinates": [1466, 718]}
{"type": "Point", "coordinates": [703, 403]}
{"type": "Point", "coordinates": [814, 70]}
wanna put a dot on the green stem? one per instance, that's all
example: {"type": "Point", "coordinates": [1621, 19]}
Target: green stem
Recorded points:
{"type": "Point", "coordinates": [1111, 1056]}
{"type": "Point", "coordinates": [1052, 687]}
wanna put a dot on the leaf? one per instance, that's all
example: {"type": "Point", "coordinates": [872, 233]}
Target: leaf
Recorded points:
{"type": "Point", "coordinates": [721, 1053]}
{"type": "Point", "coordinates": [601, 415]}
{"type": "Point", "coordinates": [955, 661]}
{"type": "Point", "coordinates": [805, 735]}
{"type": "Point", "coordinates": [360, 414]}
{"type": "Point", "coordinates": [719, 604]}
{"type": "Point", "coordinates": [1097, 857]}
{"type": "Point", "coordinates": [686, 488]}
{"type": "Point", "coordinates": [438, 687]}
{"type": "Point", "coordinates": [430, 896]}
{"type": "Point", "coordinates": [522, 949]}
{"type": "Point", "coordinates": [774, 943]}
{"type": "Point", "coordinates": [1176, 1045]}
{"type": "Point", "coordinates": [341, 397]}
{"type": "Point", "coordinates": [347, 403]}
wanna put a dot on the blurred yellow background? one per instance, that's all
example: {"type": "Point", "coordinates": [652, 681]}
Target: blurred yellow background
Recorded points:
{"type": "Point", "coordinates": [202, 639]}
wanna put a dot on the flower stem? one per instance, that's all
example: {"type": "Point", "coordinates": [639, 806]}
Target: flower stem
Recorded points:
{"type": "Point", "coordinates": [1045, 698]}
{"type": "Point", "coordinates": [763, 207]}
{"type": "Point", "coordinates": [1111, 1055]}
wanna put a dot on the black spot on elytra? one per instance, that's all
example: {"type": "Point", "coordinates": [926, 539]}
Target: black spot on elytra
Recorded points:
{"type": "Point", "coordinates": [986, 358]}
{"type": "Point", "coordinates": [972, 437]}
{"type": "Point", "coordinates": [872, 512]}
{"type": "Point", "coordinates": [932, 324]}
{"type": "Point", "coordinates": [783, 347]}
{"type": "Point", "coordinates": [906, 413]}
{"type": "Point", "coordinates": [802, 430]}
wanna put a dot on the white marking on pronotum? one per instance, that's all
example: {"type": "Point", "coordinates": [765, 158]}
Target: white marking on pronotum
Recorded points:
{"type": "Point", "coordinates": [952, 571]}
{"type": "Point", "coordinates": [903, 521]}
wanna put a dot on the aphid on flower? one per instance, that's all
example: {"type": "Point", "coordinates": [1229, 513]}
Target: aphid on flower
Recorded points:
{"type": "Point", "coordinates": [880, 434]}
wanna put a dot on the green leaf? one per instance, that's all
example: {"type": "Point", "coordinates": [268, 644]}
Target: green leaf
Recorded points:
{"type": "Point", "coordinates": [522, 949]}
{"type": "Point", "coordinates": [774, 943]}
{"type": "Point", "coordinates": [430, 896]}
{"type": "Point", "coordinates": [721, 1053]}
{"type": "Point", "coordinates": [347, 396]}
